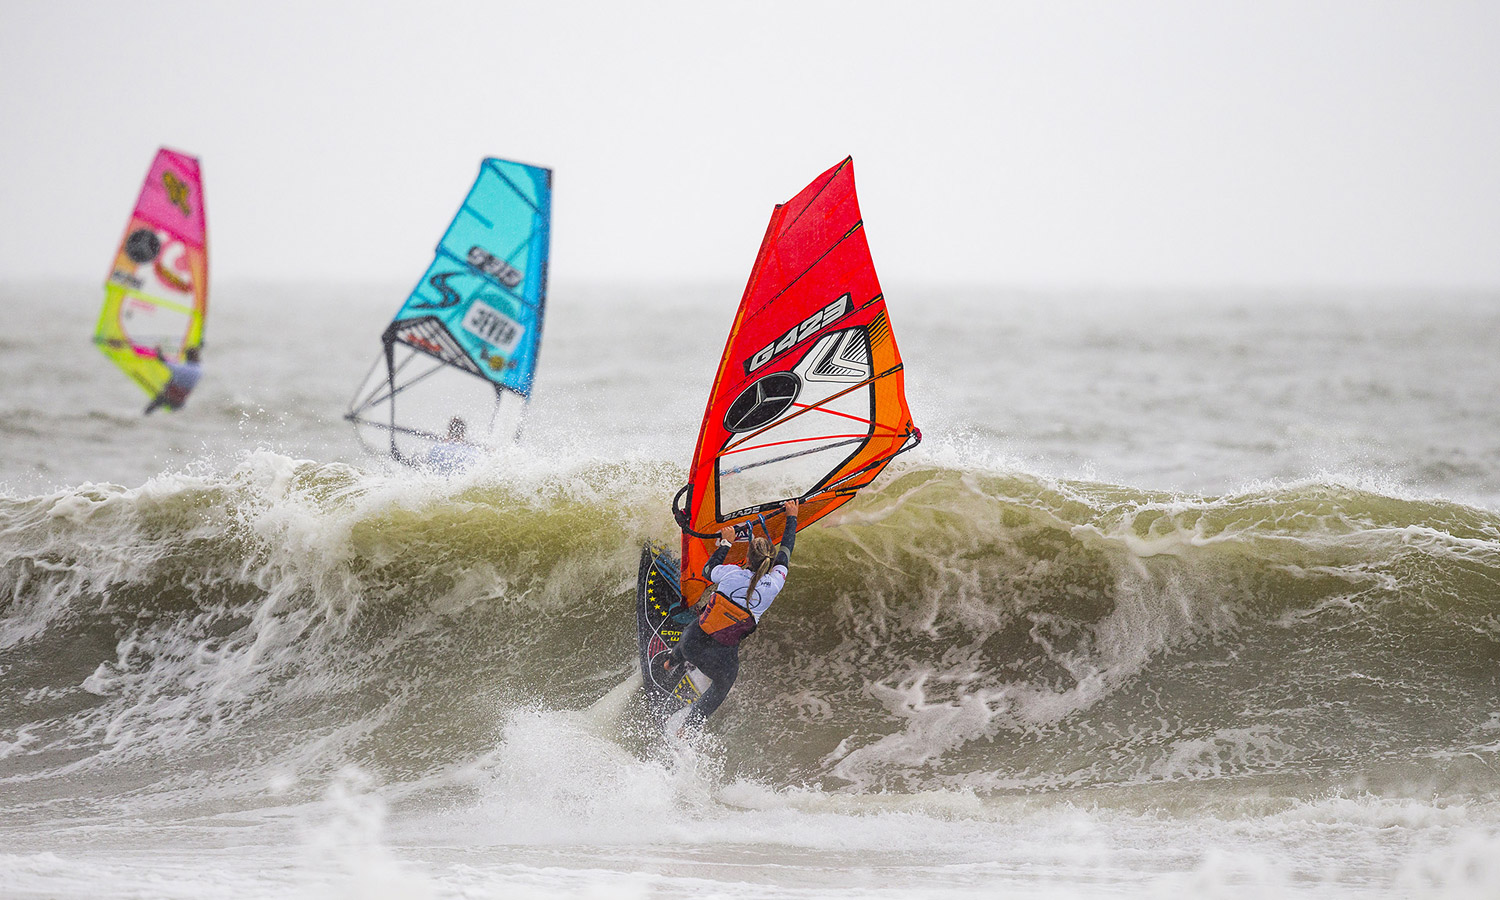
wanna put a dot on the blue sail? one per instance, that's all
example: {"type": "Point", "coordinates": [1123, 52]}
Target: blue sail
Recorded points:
{"type": "Point", "coordinates": [479, 306]}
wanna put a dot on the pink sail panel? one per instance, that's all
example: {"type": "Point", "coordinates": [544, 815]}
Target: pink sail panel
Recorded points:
{"type": "Point", "coordinates": [172, 198]}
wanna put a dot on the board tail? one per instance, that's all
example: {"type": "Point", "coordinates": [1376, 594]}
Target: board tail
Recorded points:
{"type": "Point", "coordinates": [660, 619]}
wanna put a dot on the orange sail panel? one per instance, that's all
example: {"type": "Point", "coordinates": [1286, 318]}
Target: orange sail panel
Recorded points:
{"type": "Point", "coordinates": [809, 401]}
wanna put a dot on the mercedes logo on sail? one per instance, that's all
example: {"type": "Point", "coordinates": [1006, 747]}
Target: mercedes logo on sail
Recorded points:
{"type": "Point", "coordinates": [142, 245]}
{"type": "Point", "coordinates": [762, 402]}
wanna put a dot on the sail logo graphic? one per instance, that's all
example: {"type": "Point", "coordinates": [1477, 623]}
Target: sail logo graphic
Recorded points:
{"type": "Point", "coordinates": [493, 327]}
{"type": "Point", "coordinates": [494, 266]}
{"type": "Point", "coordinates": [762, 402]}
{"type": "Point", "coordinates": [799, 333]}
{"type": "Point", "coordinates": [450, 297]}
{"type": "Point", "coordinates": [119, 276]}
{"type": "Point", "coordinates": [142, 246]}
{"type": "Point", "coordinates": [177, 192]}
{"type": "Point", "coordinates": [842, 356]}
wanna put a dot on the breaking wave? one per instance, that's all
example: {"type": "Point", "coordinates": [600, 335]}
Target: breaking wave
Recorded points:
{"type": "Point", "coordinates": [956, 629]}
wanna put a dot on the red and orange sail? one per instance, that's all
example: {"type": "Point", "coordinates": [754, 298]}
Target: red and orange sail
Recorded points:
{"type": "Point", "coordinates": [809, 401]}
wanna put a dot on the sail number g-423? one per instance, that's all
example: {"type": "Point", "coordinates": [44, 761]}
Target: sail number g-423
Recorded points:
{"type": "Point", "coordinates": [796, 335]}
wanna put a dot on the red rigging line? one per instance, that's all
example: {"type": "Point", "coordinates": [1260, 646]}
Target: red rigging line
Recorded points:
{"type": "Point", "coordinates": [834, 412]}
{"type": "Point", "coordinates": [819, 406]}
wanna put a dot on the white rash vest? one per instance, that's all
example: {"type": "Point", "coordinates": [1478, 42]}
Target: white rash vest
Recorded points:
{"type": "Point", "coordinates": [732, 581]}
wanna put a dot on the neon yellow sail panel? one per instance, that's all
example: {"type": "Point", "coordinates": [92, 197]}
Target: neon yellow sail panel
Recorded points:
{"type": "Point", "coordinates": [156, 295]}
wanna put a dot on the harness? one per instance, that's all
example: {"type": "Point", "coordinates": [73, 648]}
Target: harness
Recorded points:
{"type": "Point", "coordinates": [725, 620]}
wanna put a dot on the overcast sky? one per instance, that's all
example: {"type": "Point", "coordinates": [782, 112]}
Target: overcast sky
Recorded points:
{"type": "Point", "coordinates": [1047, 144]}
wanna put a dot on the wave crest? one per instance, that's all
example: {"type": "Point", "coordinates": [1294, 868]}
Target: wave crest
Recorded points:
{"type": "Point", "coordinates": [954, 628]}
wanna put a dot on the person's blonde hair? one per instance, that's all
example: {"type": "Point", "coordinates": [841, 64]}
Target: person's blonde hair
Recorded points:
{"type": "Point", "coordinates": [758, 561]}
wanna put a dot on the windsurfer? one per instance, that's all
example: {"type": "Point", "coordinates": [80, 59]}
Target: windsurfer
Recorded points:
{"type": "Point", "coordinates": [454, 453]}
{"type": "Point", "coordinates": [739, 597]}
{"type": "Point", "coordinates": [185, 375]}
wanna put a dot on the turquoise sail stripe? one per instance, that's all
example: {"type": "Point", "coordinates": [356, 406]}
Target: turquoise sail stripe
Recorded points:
{"type": "Point", "coordinates": [487, 283]}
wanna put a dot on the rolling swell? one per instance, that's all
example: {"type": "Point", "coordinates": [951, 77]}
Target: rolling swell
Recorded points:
{"type": "Point", "coordinates": [953, 628]}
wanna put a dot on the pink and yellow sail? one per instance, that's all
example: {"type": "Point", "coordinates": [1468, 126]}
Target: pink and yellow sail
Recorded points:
{"type": "Point", "coordinates": [156, 295]}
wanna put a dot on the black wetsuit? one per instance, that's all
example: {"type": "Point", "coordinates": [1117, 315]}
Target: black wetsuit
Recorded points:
{"type": "Point", "coordinates": [714, 659]}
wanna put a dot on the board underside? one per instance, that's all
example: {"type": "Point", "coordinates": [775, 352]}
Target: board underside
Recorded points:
{"type": "Point", "coordinates": [660, 618]}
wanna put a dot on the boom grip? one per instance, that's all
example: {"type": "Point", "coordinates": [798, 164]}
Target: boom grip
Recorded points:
{"type": "Point", "coordinates": [680, 513]}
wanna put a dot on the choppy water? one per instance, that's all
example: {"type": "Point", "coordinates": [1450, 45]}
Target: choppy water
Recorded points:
{"type": "Point", "coordinates": [1181, 596]}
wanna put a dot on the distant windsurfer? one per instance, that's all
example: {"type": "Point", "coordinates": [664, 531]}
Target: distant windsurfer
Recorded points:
{"type": "Point", "coordinates": [731, 610]}
{"type": "Point", "coordinates": [185, 375]}
{"type": "Point", "coordinates": [454, 453]}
